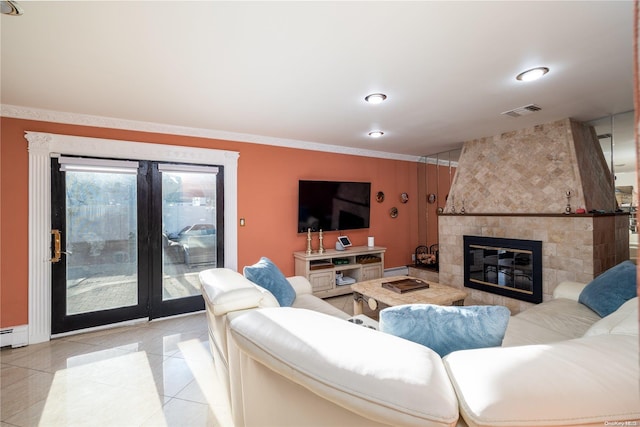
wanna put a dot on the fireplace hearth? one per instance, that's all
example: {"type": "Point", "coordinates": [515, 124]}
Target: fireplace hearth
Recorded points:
{"type": "Point", "coordinates": [507, 267]}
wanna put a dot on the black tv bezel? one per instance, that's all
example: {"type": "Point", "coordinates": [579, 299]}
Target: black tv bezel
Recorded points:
{"type": "Point", "coordinates": [300, 231]}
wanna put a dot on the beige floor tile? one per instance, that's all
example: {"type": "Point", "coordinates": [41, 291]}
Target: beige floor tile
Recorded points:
{"type": "Point", "coordinates": [82, 403]}
{"type": "Point", "coordinates": [130, 370]}
{"type": "Point", "coordinates": [53, 357]}
{"type": "Point", "coordinates": [28, 415]}
{"type": "Point", "coordinates": [95, 337]}
{"type": "Point", "coordinates": [142, 338]}
{"type": "Point", "coordinates": [191, 323]}
{"type": "Point", "coordinates": [175, 375]}
{"type": "Point", "coordinates": [194, 348]}
{"type": "Point", "coordinates": [25, 393]}
{"type": "Point", "coordinates": [12, 374]}
{"type": "Point", "coordinates": [8, 354]}
{"type": "Point", "coordinates": [180, 413]}
{"type": "Point", "coordinates": [198, 391]}
{"type": "Point", "coordinates": [343, 302]}
{"type": "Point", "coordinates": [205, 388]}
{"type": "Point", "coordinates": [202, 390]}
{"type": "Point", "coordinates": [170, 342]}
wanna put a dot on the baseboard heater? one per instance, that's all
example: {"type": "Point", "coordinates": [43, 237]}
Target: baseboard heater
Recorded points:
{"type": "Point", "coordinates": [14, 337]}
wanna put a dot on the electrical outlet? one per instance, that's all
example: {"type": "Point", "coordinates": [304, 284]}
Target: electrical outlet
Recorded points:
{"type": "Point", "coordinates": [413, 257]}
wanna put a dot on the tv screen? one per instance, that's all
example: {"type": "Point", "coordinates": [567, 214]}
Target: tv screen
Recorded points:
{"type": "Point", "coordinates": [333, 205]}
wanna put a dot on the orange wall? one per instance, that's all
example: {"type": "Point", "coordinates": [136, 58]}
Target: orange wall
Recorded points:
{"type": "Point", "coordinates": [267, 199]}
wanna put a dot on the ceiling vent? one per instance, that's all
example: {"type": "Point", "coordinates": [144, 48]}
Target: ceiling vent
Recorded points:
{"type": "Point", "coordinates": [522, 111]}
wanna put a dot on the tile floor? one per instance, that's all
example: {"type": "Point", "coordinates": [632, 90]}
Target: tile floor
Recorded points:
{"type": "Point", "coordinates": [156, 373]}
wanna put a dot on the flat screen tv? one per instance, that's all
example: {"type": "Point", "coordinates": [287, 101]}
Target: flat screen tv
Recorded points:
{"type": "Point", "coordinates": [333, 205]}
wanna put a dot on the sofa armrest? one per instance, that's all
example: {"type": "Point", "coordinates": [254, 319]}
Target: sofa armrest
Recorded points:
{"type": "Point", "coordinates": [300, 284]}
{"type": "Point", "coordinates": [226, 290]}
{"type": "Point", "coordinates": [283, 370]}
{"type": "Point", "coordinates": [569, 290]}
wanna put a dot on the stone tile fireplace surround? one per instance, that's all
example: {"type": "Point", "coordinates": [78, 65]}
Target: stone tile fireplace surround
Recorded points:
{"type": "Point", "coordinates": [513, 186]}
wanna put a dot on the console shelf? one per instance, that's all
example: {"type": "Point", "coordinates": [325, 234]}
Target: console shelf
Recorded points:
{"type": "Point", "coordinates": [358, 262]}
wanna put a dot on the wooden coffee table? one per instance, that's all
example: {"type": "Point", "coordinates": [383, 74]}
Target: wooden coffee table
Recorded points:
{"type": "Point", "coordinates": [378, 297]}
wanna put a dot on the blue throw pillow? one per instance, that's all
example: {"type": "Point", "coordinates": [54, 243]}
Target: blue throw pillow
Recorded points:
{"type": "Point", "coordinates": [266, 274]}
{"type": "Point", "coordinates": [447, 328]}
{"type": "Point", "coordinates": [607, 292]}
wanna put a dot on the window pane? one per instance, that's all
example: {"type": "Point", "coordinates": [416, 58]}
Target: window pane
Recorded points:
{"type": "Point", "coordinates": [189, 234]}
{"type": "Point", "coordinates": [101, 241]}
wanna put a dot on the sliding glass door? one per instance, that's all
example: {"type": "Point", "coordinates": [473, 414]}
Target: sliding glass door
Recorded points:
{"type": "Point", "coordinates": [95, 264]}
{"type": "Point", "coordinates": [129, 239]}
{"type": "Point", "coordinates": [190, 203]}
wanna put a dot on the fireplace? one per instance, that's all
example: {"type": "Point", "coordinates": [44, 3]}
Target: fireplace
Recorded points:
{"type": "Point", "coordinates": [507, 267]}
{"type": "Point", "coordinates": [515, 185]}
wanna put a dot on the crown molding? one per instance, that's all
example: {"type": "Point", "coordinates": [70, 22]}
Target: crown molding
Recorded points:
{"type": "Point", "coordinates": [27, 113]}
{"type": "Point", "coordinates": [431, 160]}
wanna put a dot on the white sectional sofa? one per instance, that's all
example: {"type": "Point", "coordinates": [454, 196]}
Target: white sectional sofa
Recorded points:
{"type": "Point", "coordinates": [560, 365]}
{"type": "Point", "coordinates": [227, 292]}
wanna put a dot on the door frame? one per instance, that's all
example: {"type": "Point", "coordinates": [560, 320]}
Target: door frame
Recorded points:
{"type": "Point", "coordinates": [43, 146]}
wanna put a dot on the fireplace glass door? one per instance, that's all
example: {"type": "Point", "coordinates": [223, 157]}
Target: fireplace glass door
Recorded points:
{"type": "Point", "coordinates": [508, 267]}
{"type": "Point", "coordinates": [496, 266]}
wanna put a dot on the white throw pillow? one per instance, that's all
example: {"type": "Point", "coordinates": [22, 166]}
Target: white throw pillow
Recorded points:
{"type": "Point", "coordinates": [623, 321]}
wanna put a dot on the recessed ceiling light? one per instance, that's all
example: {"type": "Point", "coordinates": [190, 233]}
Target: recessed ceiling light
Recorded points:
{"type": "Point", "coordinates": [532, 74]}
{"type": "Point", "coordinates": [376, 133]}
{"type": "Point", "coordinates": [375, 98]}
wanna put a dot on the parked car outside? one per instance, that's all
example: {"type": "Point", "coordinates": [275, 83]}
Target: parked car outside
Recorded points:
{"type": "Point", "coordinates": [193, 230]}
{"type": "Point", "coordinates": [198, 242]}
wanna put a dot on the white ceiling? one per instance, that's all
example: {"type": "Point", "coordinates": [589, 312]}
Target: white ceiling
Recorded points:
{"type": "Point", "coordinates": [298, 72]}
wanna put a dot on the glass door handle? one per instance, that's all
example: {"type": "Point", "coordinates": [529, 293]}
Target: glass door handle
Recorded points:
{"type": "Point", "coordinates": [57, 247]}
{"type": "Point", "coordinates": [57, 251]}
